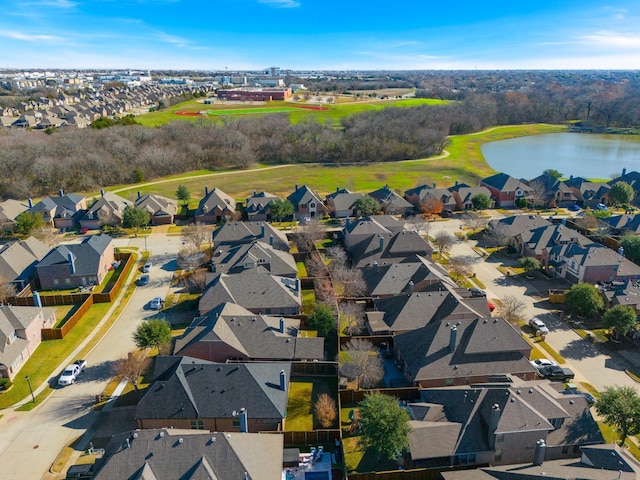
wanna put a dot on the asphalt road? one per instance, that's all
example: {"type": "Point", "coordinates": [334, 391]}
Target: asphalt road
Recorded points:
{"type": "Point", "coordinates": [31, 441]}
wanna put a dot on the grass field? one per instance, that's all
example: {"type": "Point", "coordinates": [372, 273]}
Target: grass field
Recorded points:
{"type": "Point", "coordinates": [296, 111]}
{"type": "Point", "coordinates": [464, 163]}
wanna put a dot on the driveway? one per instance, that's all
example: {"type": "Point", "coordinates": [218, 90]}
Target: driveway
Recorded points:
{"type": "Point", "coordinates": [589, 363]}
{"type": "Point", "coordinates": [31, 441]}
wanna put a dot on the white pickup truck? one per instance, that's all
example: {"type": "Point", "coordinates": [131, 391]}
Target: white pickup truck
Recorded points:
{"type": "Point", "coordinates": [70, 374]}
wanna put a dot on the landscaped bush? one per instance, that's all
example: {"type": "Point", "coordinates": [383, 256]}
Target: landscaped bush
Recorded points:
{"type": "Point", "coordinates": [5, 384]}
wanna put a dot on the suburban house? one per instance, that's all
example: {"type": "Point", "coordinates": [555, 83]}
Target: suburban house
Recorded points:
{"type": "Point", "coordinates": [162, 210]}
{"type": "Point", "coordinates": [257, 291]}
{"type": "Point", "coordinates": [106, 210]}
{"type": "Point", "coordinates": [413, 274]}
{"type": "Point", "coordinates": [9, 210]}
{"type": "Point", "coordinates": [498, 424]}
{"type": "Point", "coordinates": [231, 332]}
{"type": "Point", "coordinates": [633, 179]}
{"type": "Point", "coordinates": [552, 192]}
{"type": "Point", "coordinates": [390, 202]}
{"type": "Point", "coordinates": [215, 207]}
{"type": "Point", "coordinates": [511, 227]}
{"type": "Point", "coordinates": [622, 293]}
{"type": "Point", "coordinates": [251, 256]}
{"type": "Point", "coordinates": [200, 395]}
{"type": "Point", "coordinates": [463, 195]}
{"type": "Point", "coordinates": [20, 335]}
{"type": "Point", "coordinates": [307, 203]}
{"type": "Point", "coordinates": [505, 189]}
{"type": "Point", "coordinates": [388, 248]}
{"type": "Point", "coordinates": [257, 206]}
{"type": "Point", "coordinates": [436, 302]}
{"type": "Point", "coordinates": [620, 225]}
{"type": "Point", "coordinates": [170, 454]}
{"type": "Point", "coordinates": [589, 194]}
{"type": "Point", "coordinates": [18, 261]}
{"type": "Point", "coordinates": [598, 462]}
{"type": "Point", "coordinates": [341, 204]}
{"type": "Point", "coordinates": [362, 228]}
{"type": "Point", "coordinates": [75, 265]}
{"type": "Point", "coordinates": [62, 211]}
{"type": "Point", "coordinates": [463, 352]}
{"type": "Point", "coordinates": [238, 233]}
{"type": "Point", "coordinates": [422, 194]}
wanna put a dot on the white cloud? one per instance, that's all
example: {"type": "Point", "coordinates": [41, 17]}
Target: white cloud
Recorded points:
{"type": "Point", "coordinates": [26, 36]}
{"type": "Point", "coordinates": [280, 3]}
{"type": "Point", "coordinates": [173, 40]}
{"type": "Point", "coordinates": [612, 39]}
{"type": "Point", "coordinates": [51, 3]}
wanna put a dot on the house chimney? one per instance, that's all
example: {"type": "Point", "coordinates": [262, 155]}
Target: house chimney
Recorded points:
{"type": "Point", "coordinates": [453, 334]}
{"type": "Point", "coordinates": [72, 261]}
{"type": "Point", "coordinates": [262, 230]}
{"type": "Point", "coordinates": [381, 238]}
{"type": "Point", "coordinates": [337, 189]}
{"type": "Point", "coordinates": [434, 184]}
{"type": "Point", "coordinates": [102, 192]}
{"type": "Point", "coordinates": [375, 265]}
{"type": "Point", "coordinates": [271, 240]}
{"type": "Point", "coordinates": [624, 172]}
{"type": "Point", "coordinates": [37, 301]}
{"type": "Point", "coordinates": [538, 454]}
{"type": "Point", "coordinates": [410, 287]}
{"type": "Point", "coordinates": [493, 424]}
{"type": "Point", "coordinates": [243, 421]}
{"type": "Point", "coordinates": [456, 183]}
{"type": "Point", "coordinates": [283, 378]}
{"type": "Point", "coordinates": [30, 203]}
{"type": "Point", "coordinates": [297, 186]}
{"type": "Point", "coordinates": [139, 194]}
{"type": "Point", "coordinates": [61, 193]}
{"type": "Point", "coordinates": [281, 324]}
{"type": "Point", "coordinates": [206, 190]}
{"type": "Point", "coordinates": [255, 192]}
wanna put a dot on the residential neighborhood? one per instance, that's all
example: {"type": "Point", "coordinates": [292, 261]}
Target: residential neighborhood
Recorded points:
{"type": "Point", "coordinates": [426, 301]}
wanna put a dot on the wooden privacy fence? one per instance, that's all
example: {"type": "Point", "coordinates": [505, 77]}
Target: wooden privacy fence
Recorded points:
{"type": "Point", "coordinates": [351, 397]}
{"type": "Point", "coordinates": [59, 333]}
{"type": "Point", "coordinates": [413, 474]}
{"type": "Point", "coordinates": [318, 369]}
{"type": "Point", "coordinates": [111, 289]}
{"type": "Point", "coordinates": [312, 437]}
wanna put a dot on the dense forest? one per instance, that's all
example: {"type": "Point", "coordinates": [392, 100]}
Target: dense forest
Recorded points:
{"type": "Point", "coordinates": [35, 164]}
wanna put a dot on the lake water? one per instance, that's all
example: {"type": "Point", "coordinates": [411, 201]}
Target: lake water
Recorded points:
{"type": "Point", "coordinates": [577, 154]}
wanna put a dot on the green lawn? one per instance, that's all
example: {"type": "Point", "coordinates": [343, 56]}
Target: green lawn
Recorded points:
{"type": "Point", "coordinates": [610, 436]}
{"type": "Point", "coordinates": [302, 269]}
{"type": "Point", "coordinates": [303, 393]}
{"type": "Point", "coordinates": [308, 300]}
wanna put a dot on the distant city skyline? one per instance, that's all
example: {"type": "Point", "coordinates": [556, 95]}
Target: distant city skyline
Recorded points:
{"type": "Point", "coordinates": [319, 35]}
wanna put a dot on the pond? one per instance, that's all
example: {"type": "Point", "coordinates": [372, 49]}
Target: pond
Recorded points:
{"type": "Point", "coordinates": [577, 154]}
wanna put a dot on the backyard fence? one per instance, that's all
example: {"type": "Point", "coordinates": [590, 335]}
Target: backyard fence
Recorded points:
{"type": "Point", "coordinates": [413, 474]}
{"type": "Point", "coordinates": [312, 437]}
{"type": "Point", "coordinates": [59, 333]}
{"type": "Point", "coordinates": [407, 394]}
{"type": "Point", "coordinates": [111, 289]}
{"type": "Point", "coordinates": [319, 369]}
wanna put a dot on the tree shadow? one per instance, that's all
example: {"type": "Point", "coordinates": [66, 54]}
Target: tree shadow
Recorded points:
{"type": "Point", "coordinates": [99, 372]}
{"type": "Point", "coordinates": [578, 349]}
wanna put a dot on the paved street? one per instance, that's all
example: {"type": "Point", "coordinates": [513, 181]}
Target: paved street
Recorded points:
{"type": "Point", "coordinates": [588, 363]}
{"type": "Point", "coordinates": [31, 441]}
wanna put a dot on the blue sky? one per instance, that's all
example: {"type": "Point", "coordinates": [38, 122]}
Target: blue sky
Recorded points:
{"type": "Point", "coordinates": [320, 34]}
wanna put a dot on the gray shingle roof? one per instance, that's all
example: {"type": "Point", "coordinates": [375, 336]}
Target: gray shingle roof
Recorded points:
{"type": "Point", "coordinates": [18, 260]}
{"type": "Point", "coordinates": [395, 248]}
{"type": "Point", "coordinates": [157, 205]}
{"type": "Point", "coordinates": [235, 259]}
{"type": "Point", "coordinates": [234, 233]}
{"type": "Point", "coordinates": [195, 388]}
{"type": "Point", "coordinates": [254, 290]}
{"type": "Point", "coordinates": [255, 336]}
{"type": "Point", "coordinates": [215, 198]}
{"type": "Point", "coordinates": [170, 454]}
{"type": "Point", "coordinates": [86, 254]}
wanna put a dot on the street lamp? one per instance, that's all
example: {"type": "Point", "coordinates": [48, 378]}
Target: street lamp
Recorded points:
{"type": "Point", "coordinates": [30, 389]}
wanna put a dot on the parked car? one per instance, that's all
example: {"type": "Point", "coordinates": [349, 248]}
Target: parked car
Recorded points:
{"type": "Point", "coordinates": [157, 303]}
{"type": "Point", "coordinates": [70, 374]}
{"type": "Point", "coordinates": [574, 208]}
{"type": "Point", "coordinates": [555, 372]}
{"type": "Point", "coordinates": [143, 280]}
{"type": "Point", "coordinates": [147, 267]}
{"type": "Point", "coordinates": [542, 362]}
{"type": "Point", "coordinates": [538, 326]}
{"type": "Point", "coordinates": [476, 292]}
{"type": "Point", "coordinates": [601, 206]}
{"type": "Point", "coordinates": [492, 306]}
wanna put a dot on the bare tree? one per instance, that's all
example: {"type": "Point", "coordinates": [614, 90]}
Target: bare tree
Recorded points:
{"type": "Point", "coordinates": [496, 234]}
{"type": "Point", "coordinates": [351, 318]}
{"type": "Point", "coordinates": [7, 290]}
{"type": "Point", "coordinates": [363, 361]}
{"type": "Point", "coordinates": [474, 220]}
{"type": "Point", "coordinates": [348, 282]}
{"type": "Point", "coordinates": [324, 291]}
{"type": "Point", "coordinates": [195, 282]}
{"type": "Point", "coordinates": [512, 308]}
{"type": "Point", "coordinates": [443, 241]}
{"type": "Point", "coordinates": [313, 231]}
{"type": "Point", "coordinates": [537, 194]}
{"type": "Point", "coordinates": [460, 266]}
{"type": "Point", "coordinates": [419, 223]}
{"type": "Point", "coordinates": [315, 266]}
{"type": "Point", "coordinates": [190, 258]}
{"type": "Point", "coordinates": [46, 235]}
{"type": "Point", "coordinates": [337, 255]}
{"type": "Point", "coordinates": [132, 367]}
{"type": "Point", "coordinates": [197, 234]}
{"type": "Point", "coordinates": [325, 410]}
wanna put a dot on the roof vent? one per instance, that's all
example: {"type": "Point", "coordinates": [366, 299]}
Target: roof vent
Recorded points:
{"type": "Point", "coordinates": [162, 433]}
{"type": "Point", "coordinates": [485, 321]}
{"type": "Point", "coordinates": [181, 440]}
{"type": "Point", "coordinates": [531, 390]}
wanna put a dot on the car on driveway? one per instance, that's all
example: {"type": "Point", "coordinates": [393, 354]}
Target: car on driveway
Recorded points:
{"type": "Point", "coordinates": [538, 326]}
{"type": "Point", "coordinates": [70, 374]}
{"type": "Point", "coordinates": [574, 208]}
{"type": "Point", "coordinates": [542, 362]}
{"type": "Point", "coordinates": [147, 267]}
{"type": "Point", "coordinates": [555, 372]}
{"type": "Point", "coordinates": [476, 292]}
{"type": "Point", "coordinates": [601, 206]}
{"type": "Point", "coordinates": [143, 280]}
{"type": "Point", "coordinates": [157, 303]}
